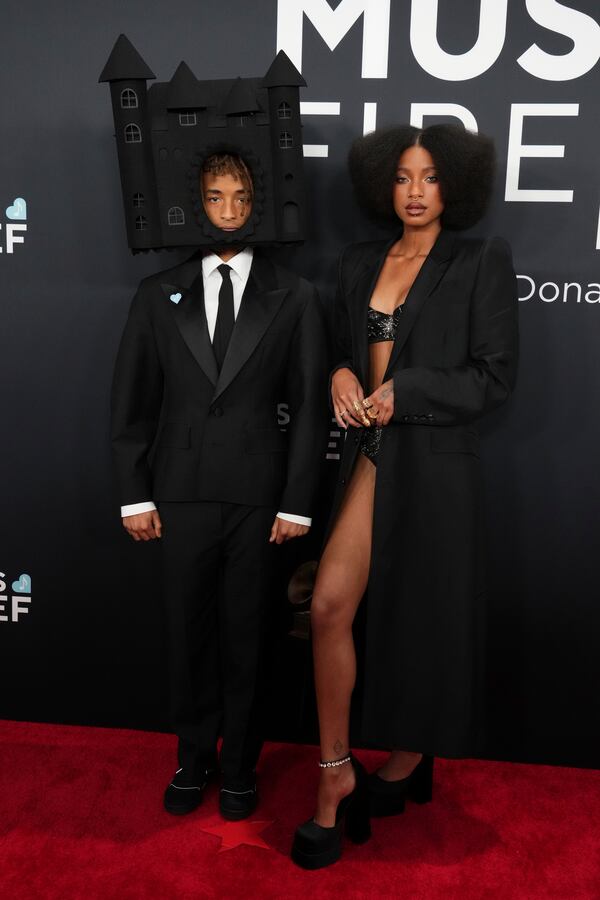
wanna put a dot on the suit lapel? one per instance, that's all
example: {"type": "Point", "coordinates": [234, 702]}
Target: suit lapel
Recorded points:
{"type": "Point", "coordinates": [426, 281]}
{"type": "Point", "coordinates": [260, 304]}
{"type": "Point", "coordinates": [190, 315]}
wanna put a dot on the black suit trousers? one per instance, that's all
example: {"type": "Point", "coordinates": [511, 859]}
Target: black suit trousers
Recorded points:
{"type": "Point", "coordinates": [217, 564]}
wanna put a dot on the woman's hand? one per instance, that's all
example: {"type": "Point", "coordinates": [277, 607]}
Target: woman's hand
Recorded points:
{"type": "Point", "coordinates": [347, 396]}
{"type": "Point", "coordinates": [381, 402]}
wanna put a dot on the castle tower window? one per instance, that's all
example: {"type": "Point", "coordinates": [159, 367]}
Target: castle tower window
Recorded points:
{"type": "Point", "coordinates": [176, 216]}
{"type": "Point", "coordinates": [129, 99]}
{"type": "Point", "coordinates": [133, 135]}
{"type": "Point", "coordinates": [187, 119]}
{"type": "Point", "coordinates": [291, 218]}
{"type": "Point", "coordinates": [141, 223]}
{"type": "Point", "coordinates": [138, 200]}
{"type": "Point", "coordinates": [286, 140]}
{"type": "Point", "coordinates": [284, 111]}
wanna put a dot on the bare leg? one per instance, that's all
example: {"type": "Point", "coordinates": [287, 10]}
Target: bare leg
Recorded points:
{"type": "Point", "coordinates": [341, 582]}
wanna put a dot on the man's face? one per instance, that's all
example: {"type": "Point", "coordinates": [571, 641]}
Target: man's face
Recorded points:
{"type": "Point", "coordinates": [227, 202]}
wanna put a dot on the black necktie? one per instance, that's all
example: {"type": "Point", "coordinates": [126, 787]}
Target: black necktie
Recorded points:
{"type": "Point", "coordinates": [225, 318]}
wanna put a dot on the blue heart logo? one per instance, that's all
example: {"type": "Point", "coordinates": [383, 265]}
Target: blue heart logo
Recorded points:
{"type": "Point", "coordinates": [22, 585]}
{"type": "Point", "coordinates": [18, 210]}
{"type": "Point", "coordinates": [175, 298]}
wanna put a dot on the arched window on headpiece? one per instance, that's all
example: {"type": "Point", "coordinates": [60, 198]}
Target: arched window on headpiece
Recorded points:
{"type": "Point", "coordinates": [187, 118]}
{"type": "Point", "coordinates": [176, 216]}
{"type": "Point", "coordinates": [129, 99]}
{"type": "Point", "coordinates": [284, 111]}
{"type": "Point", "coordinates": [286, 140]}
{"type": "Point", "coordinates": [138, 200]}
{"type": "Point", "coordinates": [291, 218]}
{"type": "Point", "coordinates": [141, 223]}
{"type": "Point", "coordinates": [133, 135]}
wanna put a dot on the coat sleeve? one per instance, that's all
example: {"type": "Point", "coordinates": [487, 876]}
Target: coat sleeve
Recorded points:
{"type": "Point", "coordinates": [306, 387]}
{"type": "Point", "coordinates": [459, 394]}
{"type": "Point", "coordinates": [136, 400]}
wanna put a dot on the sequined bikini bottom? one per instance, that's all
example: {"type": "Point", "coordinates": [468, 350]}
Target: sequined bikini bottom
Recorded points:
{"type": "Point", "coordinates": [369, 443]}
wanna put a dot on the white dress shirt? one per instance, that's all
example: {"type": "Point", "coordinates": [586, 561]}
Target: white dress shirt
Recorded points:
{"type": "Point", "coordinates": [240, 265]}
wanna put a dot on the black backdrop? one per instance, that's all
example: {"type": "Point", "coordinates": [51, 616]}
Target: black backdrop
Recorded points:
{"type": "Point", "coordinates": [83, 642]}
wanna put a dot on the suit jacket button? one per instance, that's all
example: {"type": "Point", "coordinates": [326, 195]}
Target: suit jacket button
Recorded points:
{"type": "Point", "coordinates": [217, 411]}
{"type": "Point", "coordinates": [356, 439]}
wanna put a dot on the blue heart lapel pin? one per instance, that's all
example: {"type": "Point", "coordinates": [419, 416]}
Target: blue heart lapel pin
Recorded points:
{"type": "Point", "coordinates": [173, 292]}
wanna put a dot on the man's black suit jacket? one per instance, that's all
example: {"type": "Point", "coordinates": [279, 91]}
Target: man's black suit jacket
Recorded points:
{"type": "Point", "coordinates": [183, 431]}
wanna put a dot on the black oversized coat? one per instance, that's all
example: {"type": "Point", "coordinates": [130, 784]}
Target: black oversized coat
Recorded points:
{"type": "Point", "coordinates": [454, 358]}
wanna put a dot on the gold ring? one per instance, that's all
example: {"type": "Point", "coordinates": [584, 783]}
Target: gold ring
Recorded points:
{"type": "Point", "coordinates": [372, 413]}
{"type": "Point", "coordinates": [367, 403]}
{"type": "Point", "coordinates": [357, 407]}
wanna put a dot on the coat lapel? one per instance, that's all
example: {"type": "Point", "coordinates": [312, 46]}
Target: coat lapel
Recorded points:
{"type": "Point", "coordinates": [358, 302]}
{"type": "Point", "coordinates": [260, 304]}
{"type": "Point", "coordinates": [428, 278]}
{"type": "Point", "coordinates": [190, 315]}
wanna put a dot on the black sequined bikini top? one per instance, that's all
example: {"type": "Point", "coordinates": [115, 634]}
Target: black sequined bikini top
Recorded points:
{"type": "Point", "coordinates": [382, 326]}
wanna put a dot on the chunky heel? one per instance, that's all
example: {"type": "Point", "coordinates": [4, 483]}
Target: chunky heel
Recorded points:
{"type": "Point", "coordinates": [420, 788]}
{"type": "Point", "coordinates": [388, 798]}
{"type": "Point", "coordinates": [358, 822]}
{"type": "Point", "coordinates": [315, 846]}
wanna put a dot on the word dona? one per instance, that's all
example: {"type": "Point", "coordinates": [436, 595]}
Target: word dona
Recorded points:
{"type": "Point", "coordinates": [564, 292]}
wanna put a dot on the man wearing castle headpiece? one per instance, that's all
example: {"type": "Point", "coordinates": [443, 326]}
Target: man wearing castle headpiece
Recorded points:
{"type": "Point", "coordinates": [209, 349]}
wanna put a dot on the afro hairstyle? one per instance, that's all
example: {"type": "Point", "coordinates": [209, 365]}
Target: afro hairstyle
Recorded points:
{"type": "Point", "coordinates": [465, 164]}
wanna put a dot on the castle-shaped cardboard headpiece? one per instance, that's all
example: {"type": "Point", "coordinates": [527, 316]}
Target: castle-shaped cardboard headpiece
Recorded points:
{"type": "Point", "coordinates": [165, 132]}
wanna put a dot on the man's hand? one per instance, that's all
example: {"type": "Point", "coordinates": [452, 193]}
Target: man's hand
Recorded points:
{"type": "Point", "coordinates": [347, 395]}
{"type": "Point", "coordinates": [283, 530]}
{"type": "Point", "coordinates": [143, 526]}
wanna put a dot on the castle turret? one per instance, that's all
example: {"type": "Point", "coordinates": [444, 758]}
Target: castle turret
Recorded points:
{"type": "Point", "coordinates": [185, 91]}
{"type": "Point", "coordinates": [241, 99]}
{"type": "Point", "coordinates": [283, 82]}
{"type": "Point", "coordinates": [127, 74]}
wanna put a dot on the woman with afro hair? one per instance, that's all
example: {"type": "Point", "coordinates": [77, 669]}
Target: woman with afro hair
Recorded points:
{"type": "Point", "coordinates": [426, 343]}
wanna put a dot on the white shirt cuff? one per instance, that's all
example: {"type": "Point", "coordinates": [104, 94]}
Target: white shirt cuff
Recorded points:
{"type": "Point", "coordinates": [132, 509]}
{"type": "Point", "coordinates": [298, 520]}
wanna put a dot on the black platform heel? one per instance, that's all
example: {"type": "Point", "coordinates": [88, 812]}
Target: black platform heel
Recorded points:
{"type": "Point", "coordinates": [315, 846]}
{"type": "Point", "coordinates": [388, 798]}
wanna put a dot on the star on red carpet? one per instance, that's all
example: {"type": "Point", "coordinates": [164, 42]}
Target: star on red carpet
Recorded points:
{"type": "Point", "coordinates": [233, 834]}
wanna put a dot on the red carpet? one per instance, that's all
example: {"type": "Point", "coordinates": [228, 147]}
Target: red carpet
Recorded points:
{"type": "Point", "coordinates": [81, 817]}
